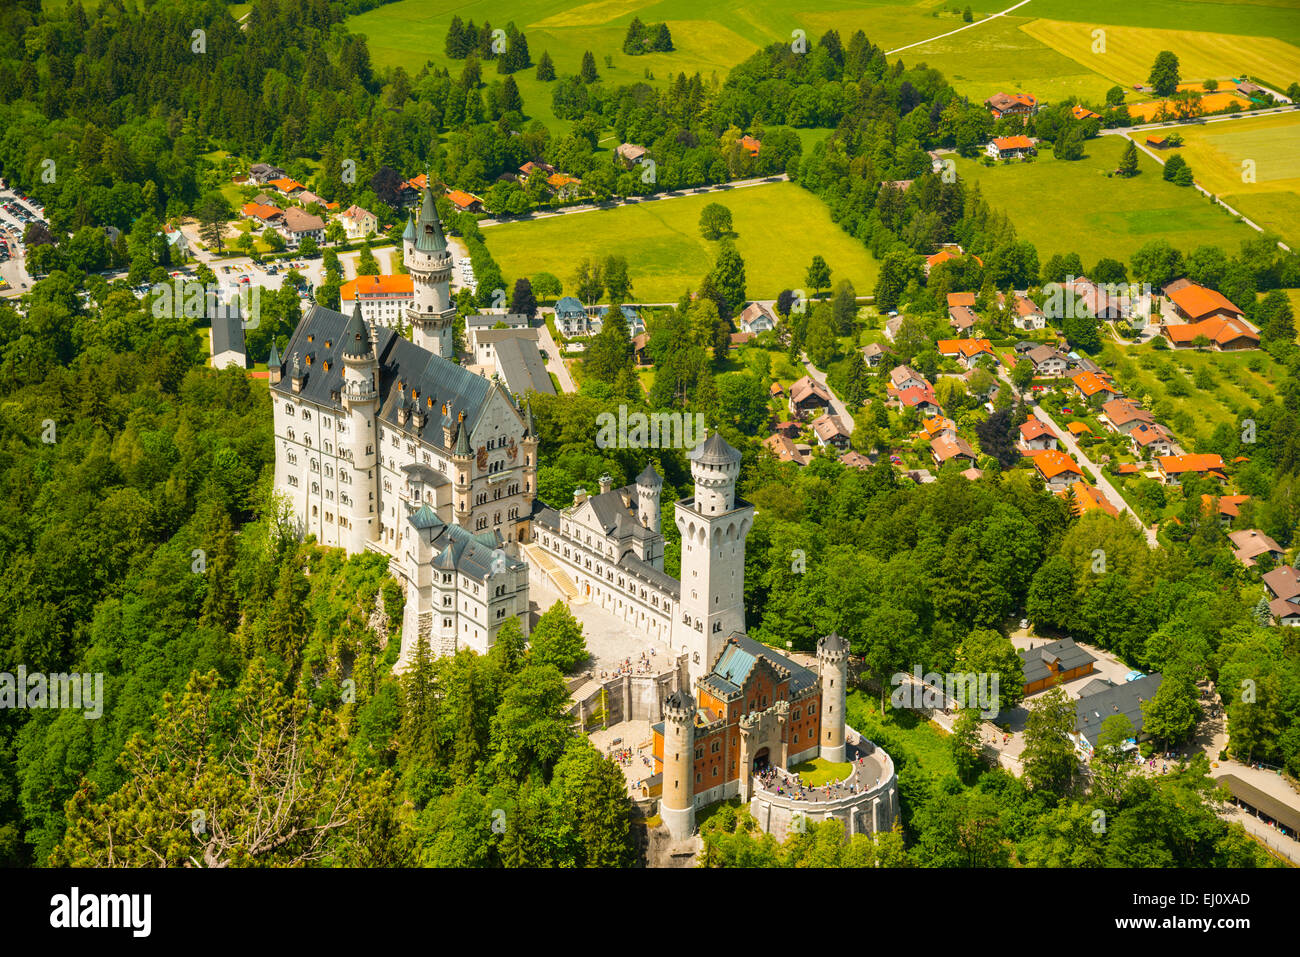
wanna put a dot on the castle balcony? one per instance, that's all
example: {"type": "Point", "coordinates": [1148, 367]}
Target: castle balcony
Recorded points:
{"type": "Point", "coordinates": [359, 393]}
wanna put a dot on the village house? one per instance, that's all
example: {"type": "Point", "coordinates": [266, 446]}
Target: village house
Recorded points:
{"type": "Point", "coordinates": [808, 396]}
{"type": "Point", "coordinates": [905, 377]}
{"type": "Point", "coordinates": [1099, 699]}
{"type": "Point", "coordinates": [1011, 104]}
{"type": "Point", "coordinates": [1081, 112]}
{"type": "Point", "coordinates": [1058, 470]}
{"type": "Point", "coordinates": [300, 224]}
{"type": "Point", "coordinates": [1208, 314]}
{"type": "Point", "coordinates": [630, 154]}
{"type": "Point", "coordinates": [1174, 469]}
{"type": "Point", "coordinates": [966, 351]}
{"type": "Point", "coordinates": [873, 354]}
{"type": "Point", "coordinates": [571, 318]}
{"type": "Point", "coordinates": [1124, 415]}
{"type": "Point", "coordinates": [951, 449]}
{"type": "Point", "coordinates": [756, 318]}
{"type": "Point", "coordinates": [287, 185]}
{"type": "Point", "coordinates": [1026, 315]}
{"type": "Point", "coordinates": [1151, 439]}
{"type": "Point", "coordinates": [947, 253]}
{"type": "Point", "coordinates": [962, 319]}
{"type": "Point", "coordinates": [359, 223]}
{"type": "Point", "coordinates": [1087, 498]}
{"type": "Point", "coordinates": [262, 214]}
{"type": "Point", "coordinates": [1048, 363]}
{"type": "Point", "coordinates": [263, 173]}
{"type": "Point", "coordinates": [465, 202]}
{"type": "Point", "coordinates": [1283, 582]}
{"type": "Point", "coordinates": [786, 450]}
{"type": "Point", "coordinates": [750, 145]}
{"type": "Point", "coordinates": [1010, 147]}
{"type": "Point", "coordinates": [966, 299]}
{"type": "Point", "coordinates": [938, 427]}
{"type": "Point", "coordinates": [1227, 507]}
{"type": "Point", "coordinates": [1079, 429]}
{"type": "Point", "coordinates": [1035, 436]}
{"type": "Point", "coordinates": [830, 430]}
{"type": "Point", "coordinates": [1090, 383]}
{"type": "Point", "coordinates": [1052, 663]}
{"type": "Point", "coordinates": [857, 460]}
{"type": "Point", "coordinates": [916, 397]}
{"type": "Point", "coordinates": [1249, 544]}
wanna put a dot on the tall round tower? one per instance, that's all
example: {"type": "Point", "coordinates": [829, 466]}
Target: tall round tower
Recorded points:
{"type": "Point", "coordinates": [428, 260]}
{"type": "Point", "coordinates": [715, 466]}
{"type": "Point", "coordinates": [677, 803]}
{"type": "Point", "coordinates": [648, 487]}
{"type": "Point", "coordinates": [358, 442]}
{"type": "Point", "coordinates": [833, 668]}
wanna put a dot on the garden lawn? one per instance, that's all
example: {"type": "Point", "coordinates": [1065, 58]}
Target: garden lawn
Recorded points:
{"type": "Point", "coordinates": [1072, 206]}
{"type": "Point", "coordinates": [780, 227]}
{"type": "Point", "coordinates": [819, 771]}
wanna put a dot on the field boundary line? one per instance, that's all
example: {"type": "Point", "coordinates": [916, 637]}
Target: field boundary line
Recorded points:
{"type": "Point", "coordinates": [978, 23]}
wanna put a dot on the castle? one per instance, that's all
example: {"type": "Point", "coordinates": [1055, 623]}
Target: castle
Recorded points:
{"type": "Point", "coordinates": [388, 445]}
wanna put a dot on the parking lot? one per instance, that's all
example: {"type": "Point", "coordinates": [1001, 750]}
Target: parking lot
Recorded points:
{"type": "Point", "coordinates": [15, 213]}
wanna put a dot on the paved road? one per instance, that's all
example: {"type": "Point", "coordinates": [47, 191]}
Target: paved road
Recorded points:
{"type": "Point", "coordinates": [837, 406]}
{"type": "Point", "coordinates": [1103, 484]}
{"type": "Point", "coordinates": [969, 26]}
{"type": "Point", "coordinates": [637, 200]}
{"type": "Point", "coordinates": [555, 361]}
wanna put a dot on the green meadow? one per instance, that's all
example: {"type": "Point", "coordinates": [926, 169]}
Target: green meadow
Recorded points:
{"type": "Point", "coordinates": [1072, 206]}
{"type": "Point", "coordinates": [779, 226]}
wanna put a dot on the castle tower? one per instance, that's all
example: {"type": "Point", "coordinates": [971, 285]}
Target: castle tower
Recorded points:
{"type": "Point", "coordinates": [462, 462]}
{"type": "Point", "coordinates": [529, 446]}
{"type": "Point", "coordinates": [648, 487]}
{"type": "Point", "coordinates": [358, 442]}
{"type": "Point", "coordinates": [677, 804]}
{"type": "Point", "coordinates": [713, 525]}
{"type": "Point", "coordinates": [833, 668]}
{"type": "Point", "coordinates": [428, 260]}
{"type": "Point", "coordinates": [273, 370]}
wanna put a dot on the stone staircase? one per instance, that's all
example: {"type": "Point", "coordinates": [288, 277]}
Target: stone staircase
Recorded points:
{"type": "Point", "coordinates": [538, 557]}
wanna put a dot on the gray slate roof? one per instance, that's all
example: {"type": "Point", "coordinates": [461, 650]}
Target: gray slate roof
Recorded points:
{"type": "Point", "coordinates": [1126, 699]}
{"type": "Point", "coordinates": [399, 360]}
{"type": "Point", "coordinates": [227, 332]}
{"type": "Point", "coordinates": [521, 363]}
{"type": "Point", "coordinates": [1035, 661]}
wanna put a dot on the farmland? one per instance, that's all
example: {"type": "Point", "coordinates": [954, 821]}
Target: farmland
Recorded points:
{"type": "Point", "coordinates": [1130, 51]}
{"type": "Point", "coordinates": [781, 227]}
{"type": "Point", "coordinates": [1066, 207]}
{"type": "Point", "coordinates": [1217, 152]}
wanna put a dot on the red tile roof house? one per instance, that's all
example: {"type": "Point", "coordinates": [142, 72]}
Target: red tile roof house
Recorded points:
{"type": "Point", "coordinates": [1250, 543]}
{"type": "Point", "coordinates": [1058, 470]}
{"type": "Point", "coordinates": [1010, 147]}
{"type": "Point", "coordinates": [465, 202]}
{"type": "Point", "coordinates": [1285, 612]}
{"type": "Point", "coordinates": [1087, 498]}
{"type": "Point", "coordinates": [856, 460]}
{"type": "Point", "coordinates": [1209, 314]}
{"type": "Point", "coordinates": [359, 223]}
{"type": "Point", "coordinates": [1081, 112]}
{"type": "Point", "coordinates": [1035, 436]}
{"type": "Point", "coordinates": [1173, 468]}
{"type": "Point", "coordinates": [961, 299]}
{"type": "Point", "coordinates": [944, 450]}
{"type": "Point", "coordinates": [947, 253]}
{"type": "Point", "coordinates": [808, 396]}
{"type": "Point", "coordinates": [1124, 415]}
{"type": "Point", "coordinates": [1151, 440]}
{"type": "Point", "coordinates": [789, 429]}
{"type": "Point", "coordinates": [830, 430]}
{"type": "Point", "coordinates": [1090, 384]}
{"type": "Point", "coordinates": [966, 351]}
{"type": "Point", "coordinates": [1011, 104]}
{"type": "Point", "coordinates": [920, 398]}
{"type": "Point", "coordinates": [1229, 507]}
{"type": "Point", "coordinates": [267, 215]}
{"type": "Point", "coordinates": [1026, 314]}
{"type": "Point", "coordinates": [903, 377]}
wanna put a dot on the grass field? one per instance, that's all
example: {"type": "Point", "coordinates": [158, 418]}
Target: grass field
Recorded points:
{"type": "Point", "coordinates": [1129, 51]}
{"type": "Point", "coordinates": [819, 771]}
{"type": "Point", "coordinates": [1217, 152]}
{"type": "Point", "coordinates": [1065, 207]}
{"type": "Point", "coordinates": [1254, 18]}
{"type": "Point", "coordinates": [781, 226]}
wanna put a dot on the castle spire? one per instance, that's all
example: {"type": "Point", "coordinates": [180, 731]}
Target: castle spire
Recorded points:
{"type": "Point", "coordinates": [429, 237]}
{"type": "Point", "coordinates": [356, 336]}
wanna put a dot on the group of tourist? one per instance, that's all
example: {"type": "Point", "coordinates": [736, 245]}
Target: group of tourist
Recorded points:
{"type": "Point", "coordinates": [644, 665]}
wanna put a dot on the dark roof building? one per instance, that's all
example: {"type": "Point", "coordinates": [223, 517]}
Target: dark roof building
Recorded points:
{"type": "Point", "coordinates": [1054, 662]}
{"type": "Point", "coordinates": [1091, 710]}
